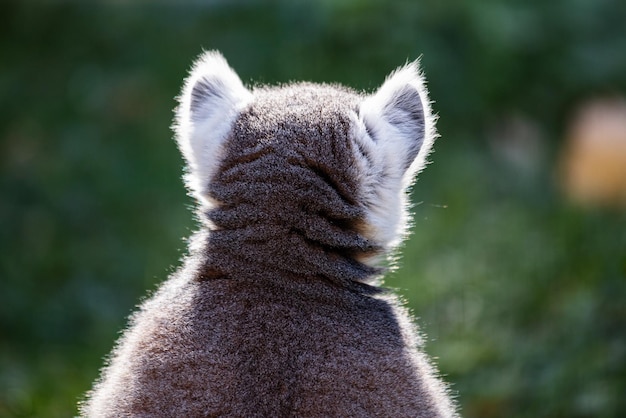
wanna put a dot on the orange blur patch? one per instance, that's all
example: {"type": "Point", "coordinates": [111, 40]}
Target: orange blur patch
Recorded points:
{"type": "Point", "coordinates": [594, 158]}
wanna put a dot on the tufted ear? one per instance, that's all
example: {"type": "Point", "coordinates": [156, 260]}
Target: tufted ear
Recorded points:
{"type": "Point", "coordinates": [212, 97]}
{"type": "Point", "coordinates": [397, 132]}
{"type": "Point", "coordinates": [398, 118]}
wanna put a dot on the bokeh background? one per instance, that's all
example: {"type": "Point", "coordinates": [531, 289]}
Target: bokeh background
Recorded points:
{"type": "Point", "coordinates": [517, 263]}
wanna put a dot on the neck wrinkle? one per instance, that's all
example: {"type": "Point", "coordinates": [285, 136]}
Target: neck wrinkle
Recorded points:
{"type": "Point", "coordinates": [264, 250]}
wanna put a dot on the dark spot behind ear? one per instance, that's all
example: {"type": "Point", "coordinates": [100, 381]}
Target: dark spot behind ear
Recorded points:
{"type": "Point", "coordinates": [405, 108]}
{"type": "Point", "coordinates": [405, 111]}
{"type": "Point", "coordinates": [204, 90]}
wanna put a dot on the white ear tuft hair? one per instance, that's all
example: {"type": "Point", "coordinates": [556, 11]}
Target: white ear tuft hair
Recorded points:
{"type": "Point", "coordinates": [398, 130]}
{"type": "Point", "coordinates": [399, 119]}
{"type": "Point", "coordinates": [212, 97]}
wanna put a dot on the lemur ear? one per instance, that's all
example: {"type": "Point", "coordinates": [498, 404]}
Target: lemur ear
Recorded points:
{"type": "Point", "coordinates": [398, 118]}
{"type": "Point", "coordinates": [398, 132]}
{"type": "Point", "coordinates": [212, 97]}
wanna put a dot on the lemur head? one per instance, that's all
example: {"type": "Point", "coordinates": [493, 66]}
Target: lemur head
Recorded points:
{"type": "Point", "coordinates": [324, 161]}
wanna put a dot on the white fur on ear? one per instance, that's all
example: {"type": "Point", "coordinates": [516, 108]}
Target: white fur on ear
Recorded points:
{"type": "Point", "coordinates": [399, 119]}
{"type": "Point", "coordinates": [397, 129]}
{"type": "Point", "coordinates": [212, 97]}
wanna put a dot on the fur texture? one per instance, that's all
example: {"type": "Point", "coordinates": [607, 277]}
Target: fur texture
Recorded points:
{"type": "Point", "coordinates": [276, 311]}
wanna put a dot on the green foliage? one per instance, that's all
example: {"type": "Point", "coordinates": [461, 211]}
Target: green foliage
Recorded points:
{"type": "Point", "coordinates": [521, 294]}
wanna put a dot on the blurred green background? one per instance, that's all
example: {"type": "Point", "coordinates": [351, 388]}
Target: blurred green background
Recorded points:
{"type": "Point", "coordinates": [521, 291]}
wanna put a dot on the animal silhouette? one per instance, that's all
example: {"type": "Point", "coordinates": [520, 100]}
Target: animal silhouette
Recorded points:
{"type": "Point", "coordinates": [278, 309]}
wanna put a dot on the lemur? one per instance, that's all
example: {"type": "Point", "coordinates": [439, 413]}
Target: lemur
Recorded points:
{"type": "Point", "coordinates": [278, 309]}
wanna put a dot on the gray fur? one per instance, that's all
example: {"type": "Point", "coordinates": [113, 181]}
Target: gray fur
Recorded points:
{"type": "Point", "coordinates": [275, 312]}
{"type": "Point", "coordinates": [405, 111]}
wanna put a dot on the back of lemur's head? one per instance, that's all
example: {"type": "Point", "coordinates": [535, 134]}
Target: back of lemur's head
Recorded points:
{"type": "Point", "coordinates": [304, 163]}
